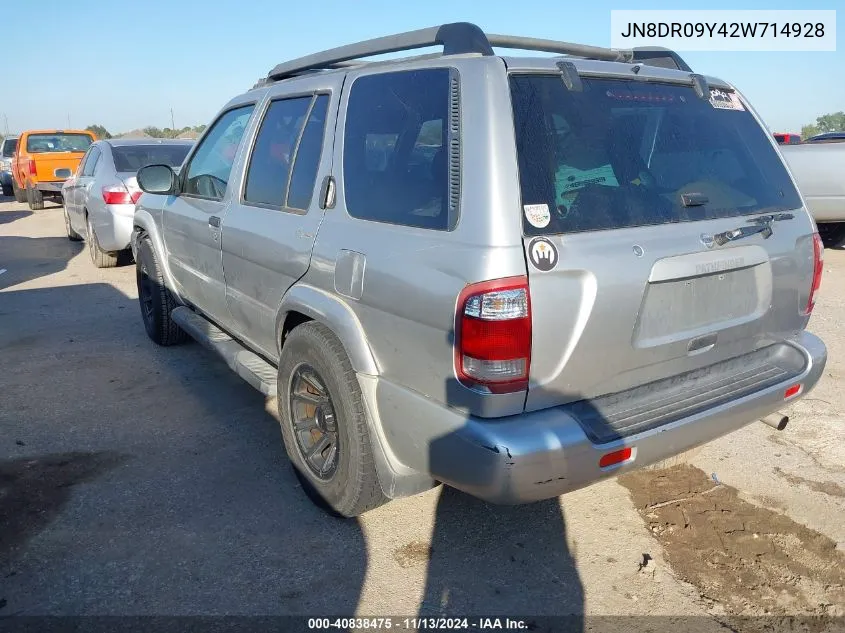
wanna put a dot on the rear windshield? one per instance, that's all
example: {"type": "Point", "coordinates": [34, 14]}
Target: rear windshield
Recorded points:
{"type": "Point", "coordinates": [133, 157]}
{"type": "Point", "coordinates": [625, 153]}
{"type": "Point", "coordinates": [42, 143]}
{"type": "Point", "coordinates": [9, 146]}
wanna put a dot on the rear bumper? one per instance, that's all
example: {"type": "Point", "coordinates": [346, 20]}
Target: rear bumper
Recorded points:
{"type": "Point", "coordinates": [50, 187]}
{"type": "Point", "coordinates": [546, 453]}
{"type": "Point", "coordinates": [114, 227]}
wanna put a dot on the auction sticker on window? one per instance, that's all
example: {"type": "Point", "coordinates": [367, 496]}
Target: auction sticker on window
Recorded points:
{"type": "Point", "coordinates": [542, 253]}
{"type": "Point", "coordinates": [537, 215]}
{"type": "Point", "coordinates": [725, 100]}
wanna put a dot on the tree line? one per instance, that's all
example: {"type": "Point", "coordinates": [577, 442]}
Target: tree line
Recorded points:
{"type": "Point", "coordinates": [102, 133]}
{"type": "Point", "coordinates": [834, 122]}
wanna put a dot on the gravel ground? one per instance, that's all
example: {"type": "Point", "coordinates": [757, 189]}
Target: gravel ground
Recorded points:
{"type": "Point", "coordinates": [141, 480]}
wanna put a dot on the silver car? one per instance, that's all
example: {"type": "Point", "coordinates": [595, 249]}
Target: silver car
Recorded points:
{"type": "Point", "coordinates": [7, 151]}
{"type": "Point", "coordinates": [512, 275]}
{"type": "Point", "coordinates": [99, 200]}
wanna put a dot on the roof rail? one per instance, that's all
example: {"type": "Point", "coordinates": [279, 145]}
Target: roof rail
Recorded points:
{"type": "Point", "coordinates": [463, 37]}
{"type": "Point", "coordinates": [455, 38]}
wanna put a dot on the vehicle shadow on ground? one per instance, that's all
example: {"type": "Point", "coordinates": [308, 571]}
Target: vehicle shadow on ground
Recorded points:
{"type": "Point", "coordinates": [8, 216]}
{"type": "Point", "coordinates": [514, 560]}
{"type": "Point", "coordinates": [28, 258]}
{"type": "Point", "coordinates": [165, 489]}
{"type": "Point", "coordinates": [152, 477]}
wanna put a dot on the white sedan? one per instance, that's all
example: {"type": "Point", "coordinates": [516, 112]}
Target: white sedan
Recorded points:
{"type": "Point", "coordinates": [99, 200]}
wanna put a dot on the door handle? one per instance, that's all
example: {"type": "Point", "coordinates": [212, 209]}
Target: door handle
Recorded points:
{"type": "Point", "coordinates": [214, 221]}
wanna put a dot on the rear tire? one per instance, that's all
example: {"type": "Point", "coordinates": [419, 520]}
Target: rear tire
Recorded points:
{"type": "Point", "coordinates": [350, 485]}
{"type": "Point", "coordinates": [20, 194]}
{"type": "Point", "coordinates": [100, 258]}
{"type": "Point", "coordinates": [7, 190]}
{"type": "Point", "coordinates": [155, 299]}
{"type": "Point", "coordinates": [72, 235]}
{"type": "Point", "coordinates": [832, 233]}
{"type": "Point", "coordinates": [35, 198]}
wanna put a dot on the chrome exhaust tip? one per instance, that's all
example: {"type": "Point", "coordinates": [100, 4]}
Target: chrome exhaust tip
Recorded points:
{"type": "Point", "coordinates": [777, 421]}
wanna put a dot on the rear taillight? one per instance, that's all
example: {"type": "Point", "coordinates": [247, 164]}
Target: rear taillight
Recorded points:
{"type": "Point", "coordinates": [818, 266]}
{"type": "Point", "coordinates": [118, 194]}
{"type": "Point", "coordinates": [30, 166]}
{"type": "Point", "coordinates": [493, 335]}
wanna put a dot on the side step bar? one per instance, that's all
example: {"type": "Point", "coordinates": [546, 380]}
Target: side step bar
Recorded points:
{"type": "Point", "coordinates": [248, 365]}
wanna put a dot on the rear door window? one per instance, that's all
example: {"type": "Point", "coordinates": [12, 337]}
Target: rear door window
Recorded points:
{"type": "Point", "coordinates": [624, 153]}
{"type": "Point", "coordinates": [284, 162]}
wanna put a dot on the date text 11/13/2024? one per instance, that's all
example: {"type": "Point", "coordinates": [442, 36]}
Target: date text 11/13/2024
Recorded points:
{"type": "Point", "coordinates": [418, 623]}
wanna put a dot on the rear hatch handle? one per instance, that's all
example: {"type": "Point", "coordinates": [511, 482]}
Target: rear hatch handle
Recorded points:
{"type": "Point", "coordinates": [764, 226]}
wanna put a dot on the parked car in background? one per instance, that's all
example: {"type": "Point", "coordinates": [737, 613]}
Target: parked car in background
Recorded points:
{"type": "Point", "coordinates": [514, 276]}
{"type": "Point", "coordinates": [819, 171]}
{"type": "Point", "coordinates": [827, 137]}
{"type": "Point", "coordinates": [99, 199]}
{"type": "Point", "coordinates": [43, 160]}
{"type": "Point", "coordinates": [786, 138]}
{"type": "Point", "coordinates": [7, 151]}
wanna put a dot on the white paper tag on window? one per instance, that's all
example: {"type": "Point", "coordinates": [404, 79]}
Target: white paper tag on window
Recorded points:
{"type": "Point", "coordinates": [725, 100]}
{"type": "Point", "coordinates": [537, 215]}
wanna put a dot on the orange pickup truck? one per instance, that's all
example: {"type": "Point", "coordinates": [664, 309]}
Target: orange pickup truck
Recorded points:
{"type": "Point", "coordinates": [43, 160]}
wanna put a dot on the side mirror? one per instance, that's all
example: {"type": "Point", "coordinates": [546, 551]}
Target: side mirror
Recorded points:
{"type": "Point", "coordinates": [157, 179]}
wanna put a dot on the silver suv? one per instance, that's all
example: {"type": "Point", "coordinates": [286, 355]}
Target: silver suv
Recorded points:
{"type": "Point", "coordinates": [513, 275]}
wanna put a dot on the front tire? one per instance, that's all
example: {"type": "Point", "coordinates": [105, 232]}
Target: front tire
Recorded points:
{"type": "Point", "coordinates": [155, 299]}
{"type": "Point", "coordinates": [324, 425]}
{"type": "Point", "coordinates": [832, 233]}
{"type": "Point", "coordinates": [99, 257]}
{"type": "Point", "coordinates": [35, 198]}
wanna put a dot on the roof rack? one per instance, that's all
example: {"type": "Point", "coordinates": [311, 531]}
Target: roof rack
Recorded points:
{"type": "Point", "coordinates": [463, 37]}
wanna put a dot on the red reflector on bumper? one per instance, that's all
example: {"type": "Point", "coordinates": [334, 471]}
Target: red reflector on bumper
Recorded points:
{"type": "Point", "coordinates": [616, 457]}
{"type": "Point", "coordinates": [794, 390]}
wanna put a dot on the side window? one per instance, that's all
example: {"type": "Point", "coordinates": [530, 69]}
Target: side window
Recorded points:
{"type": "Point", "coordinates": [304, 176]}
{"type": "Point", "coordinates": [273, 153]}
{"type": "Point", "coordinates": [81, 169]}
{"type": "Point", "coordinates": [395, 158]}
{"type": "Point", "coordinates": [210, 166]}
{"type": "Point", "coordinates": [91, 162]}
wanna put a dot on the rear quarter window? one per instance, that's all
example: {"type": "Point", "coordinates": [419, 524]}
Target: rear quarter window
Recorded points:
{"type": "Point", "coordinates": [623, 153]}
{"type": "Point", "coordinates": [395, 155]}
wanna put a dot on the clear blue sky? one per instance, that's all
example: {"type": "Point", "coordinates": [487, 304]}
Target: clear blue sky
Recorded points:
{"type": "Point", "coordinates": [124, 64]}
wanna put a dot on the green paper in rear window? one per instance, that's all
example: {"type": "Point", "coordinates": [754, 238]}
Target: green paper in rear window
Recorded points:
{"type": "Point", "coordinates": [621, 153]}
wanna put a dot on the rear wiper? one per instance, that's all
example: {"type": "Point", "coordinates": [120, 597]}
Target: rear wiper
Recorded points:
{"type": "Point", "coordinates": [768, 219]}
{"type": "Point", "coordinates": [764, 227]}
{"type": "Point", "coordinates": [694, 199]}
{"type": "Point", "coordinates": [743, 231]}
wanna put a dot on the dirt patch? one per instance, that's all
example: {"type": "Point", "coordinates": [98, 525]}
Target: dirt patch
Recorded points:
{"type": "Point", "coordinates": [827, 487]}
{"type": "Point", "coordinates": [412, 554]}
{"type": "Point", "coordinates": [745, 560]}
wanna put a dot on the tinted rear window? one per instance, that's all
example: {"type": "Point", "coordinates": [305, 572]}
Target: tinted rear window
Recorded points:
{"type": "Point", "coordinates": [133, 157]}
{"type": "Point", "coordinates": [42, 143]}
{"type": "Point", "coordinates": [623, 153]}
{"type": "Point", "coordinates": [9, 146]}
